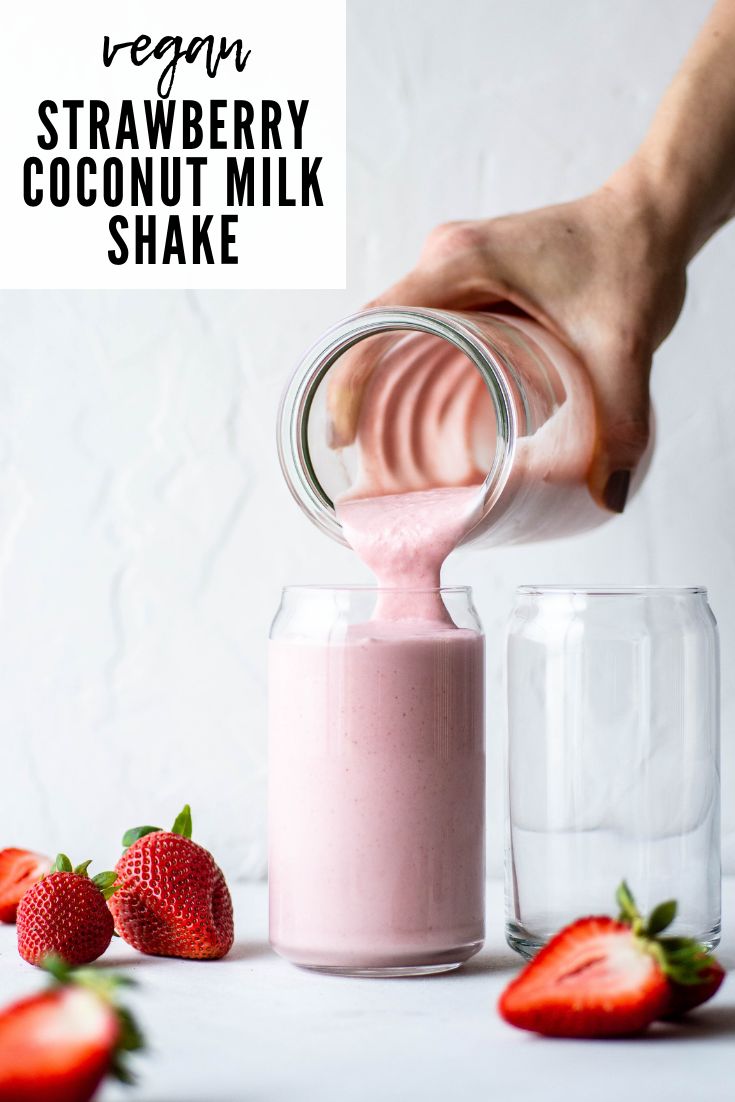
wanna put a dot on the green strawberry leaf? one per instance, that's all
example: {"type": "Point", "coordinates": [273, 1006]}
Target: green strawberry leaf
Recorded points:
{"type": "Point", "coordinates": [685, 953]}
{"type": "Point", "coordinates": [56, 967]}
{"type": "Point", "coordinates": [674, 944]}
{"type": "Point", "coordinates": [683, 960]}
{"type": "Point", "coordinates": [135, 833]}
{"type": "Point", "coordinates": [688, 975]}
{"type": "Point", "coordinates": [661, 917]}
{"type": "Point", "coordinates": [131, 1036]}
{"type": "Point", "coordinates": [62, 864]}
{"type": "Point", "coordinates": [182, 823]}
{"type": "Point", "coordinates": [104, 879]}
{"type": "Point", "coordinates": [81, 870]}
{"type": "Point", "coordinates": [106, 882]}
{"type": "Point", "coordinates": [122, 1073]}
{"type": "Point", "coordinates": [629, 912]}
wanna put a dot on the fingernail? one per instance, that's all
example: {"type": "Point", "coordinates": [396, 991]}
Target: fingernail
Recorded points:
{"type": "Point", "coordinates": [616, 490]}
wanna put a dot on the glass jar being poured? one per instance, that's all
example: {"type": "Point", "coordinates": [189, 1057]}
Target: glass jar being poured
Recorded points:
{"type": "Point", "coordinates": [473, 428]}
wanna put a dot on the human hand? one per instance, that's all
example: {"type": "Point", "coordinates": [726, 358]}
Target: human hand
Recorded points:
{"type": "Point", "coordinates": [600, 272]}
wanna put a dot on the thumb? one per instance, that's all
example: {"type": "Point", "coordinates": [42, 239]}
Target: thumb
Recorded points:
{"type": "Point", "coordinates": [623, 408]}
{"type": "Point", "coordinates": [452, 274]}
{"type": "Point", "coordinates": [351, 374]}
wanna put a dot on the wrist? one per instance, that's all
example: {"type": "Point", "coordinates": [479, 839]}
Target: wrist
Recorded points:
{"type": "Point", "coordinates": [659, 201]}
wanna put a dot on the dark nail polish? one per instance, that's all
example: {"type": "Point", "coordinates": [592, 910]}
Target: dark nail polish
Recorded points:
{"type": "Point", "coordinates": [616, 490]}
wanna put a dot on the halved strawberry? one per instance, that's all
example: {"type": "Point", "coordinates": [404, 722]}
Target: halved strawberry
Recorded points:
{"type": "Point", "coordinates": [594, 979]}
{"type": "Point", "coordinates": [20, 869]}
{"type": "Point", "coordinates": [59, 1045]}
{"type": "Point", "coordinates": [605, 977]}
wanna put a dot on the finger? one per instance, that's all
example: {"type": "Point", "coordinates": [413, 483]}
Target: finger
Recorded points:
{"type": "Point", "coordinates": [454, 283]}
{"type": "Point", "coordinates": [458, 281]}
{"type": "Point", "coordinates": [346, 385]}
{"type": "Point", "coordinates": [623, 407]}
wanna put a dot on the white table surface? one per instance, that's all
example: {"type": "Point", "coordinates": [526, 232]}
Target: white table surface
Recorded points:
{"type": "Point", "coordinates": [252, 1028]}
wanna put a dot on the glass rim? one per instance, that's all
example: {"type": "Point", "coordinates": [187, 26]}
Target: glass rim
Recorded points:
{"type": "Point", "coordinates": [613, 590]}
{"type": "Point", "coordinates": [367, 588]}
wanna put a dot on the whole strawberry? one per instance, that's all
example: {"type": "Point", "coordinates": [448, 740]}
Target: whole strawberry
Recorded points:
{"type": "Point", "coordinates": [19, 870]}
{"type": "Point", "coordinates": [171, 898]}
{"type": "Point", "coordinates": [605, 977]}
{"type": "Point", "coordinates": [59, 1045]}
{"type": "Point", "coordinates": [66, 914]}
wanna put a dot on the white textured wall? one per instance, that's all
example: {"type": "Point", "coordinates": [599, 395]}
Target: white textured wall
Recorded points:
{"type": "Point", "coordinates": [144, 528]}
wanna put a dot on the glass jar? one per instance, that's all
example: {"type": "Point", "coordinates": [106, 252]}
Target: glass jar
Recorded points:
{"type": "Point", "coordinates": [613, 758]}
{"type": "Point", "coordinates": [376, 783]}
{"type": "Point", "coordinates": [529, 443]}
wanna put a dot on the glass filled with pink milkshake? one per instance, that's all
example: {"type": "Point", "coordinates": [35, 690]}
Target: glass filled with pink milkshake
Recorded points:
{"type": "Point", "coordinates": [376, 780]}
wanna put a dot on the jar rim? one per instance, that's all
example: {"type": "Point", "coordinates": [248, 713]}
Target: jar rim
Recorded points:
{"type": "Point", "coordinates": [293, 450]}
{"type": "Point", "coordinates": [612, 590]}
{"type": "Point", "coordinates": [367, 588]}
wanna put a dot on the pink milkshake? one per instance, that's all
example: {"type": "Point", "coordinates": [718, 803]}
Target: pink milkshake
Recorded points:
{"type": "Point", "coordinates": [377, 787]}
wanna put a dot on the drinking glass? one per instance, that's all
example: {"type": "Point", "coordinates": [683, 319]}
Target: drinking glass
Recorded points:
{"type": "Point", "coordinates": [376, 781]}
{"type": "Point", "coordinates": [612, 758]}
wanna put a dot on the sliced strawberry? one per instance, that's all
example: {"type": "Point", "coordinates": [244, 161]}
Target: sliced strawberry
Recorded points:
{"type": "Point", "coordinates": [59, 1045]}
{"type": "Point", "coordinates": [20, 869]}
{"type": "Point", "coordinates": [55, 1046]}
{"type": "Point", "coordinates": [594, 979]}
{"type": "Point", "coordinates": [605, 977]}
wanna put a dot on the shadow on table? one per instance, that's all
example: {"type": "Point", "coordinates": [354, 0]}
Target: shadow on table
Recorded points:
{"type": "Point", "coordinates": [241, 950]}
{"type": "Point", "coordinates": [709, 1021]}
{"type": "Point", "coordinates": [200, 1097]}
{"type": "Point", "coordinates": [701, 1024]}
{"type": "Point", "coordinates": [249, 950]}
{"type": "Point", "coordinates": [487, 962]}
{"type": "Point", "coordinates": [126, 961]}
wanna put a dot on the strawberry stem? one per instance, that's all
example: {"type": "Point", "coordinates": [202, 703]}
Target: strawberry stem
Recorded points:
{"type": "Point", "coordinates": [628, 910]}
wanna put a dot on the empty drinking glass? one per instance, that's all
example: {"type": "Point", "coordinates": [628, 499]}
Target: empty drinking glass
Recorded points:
{"type": "Point", "coordinates": [612, 757]}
